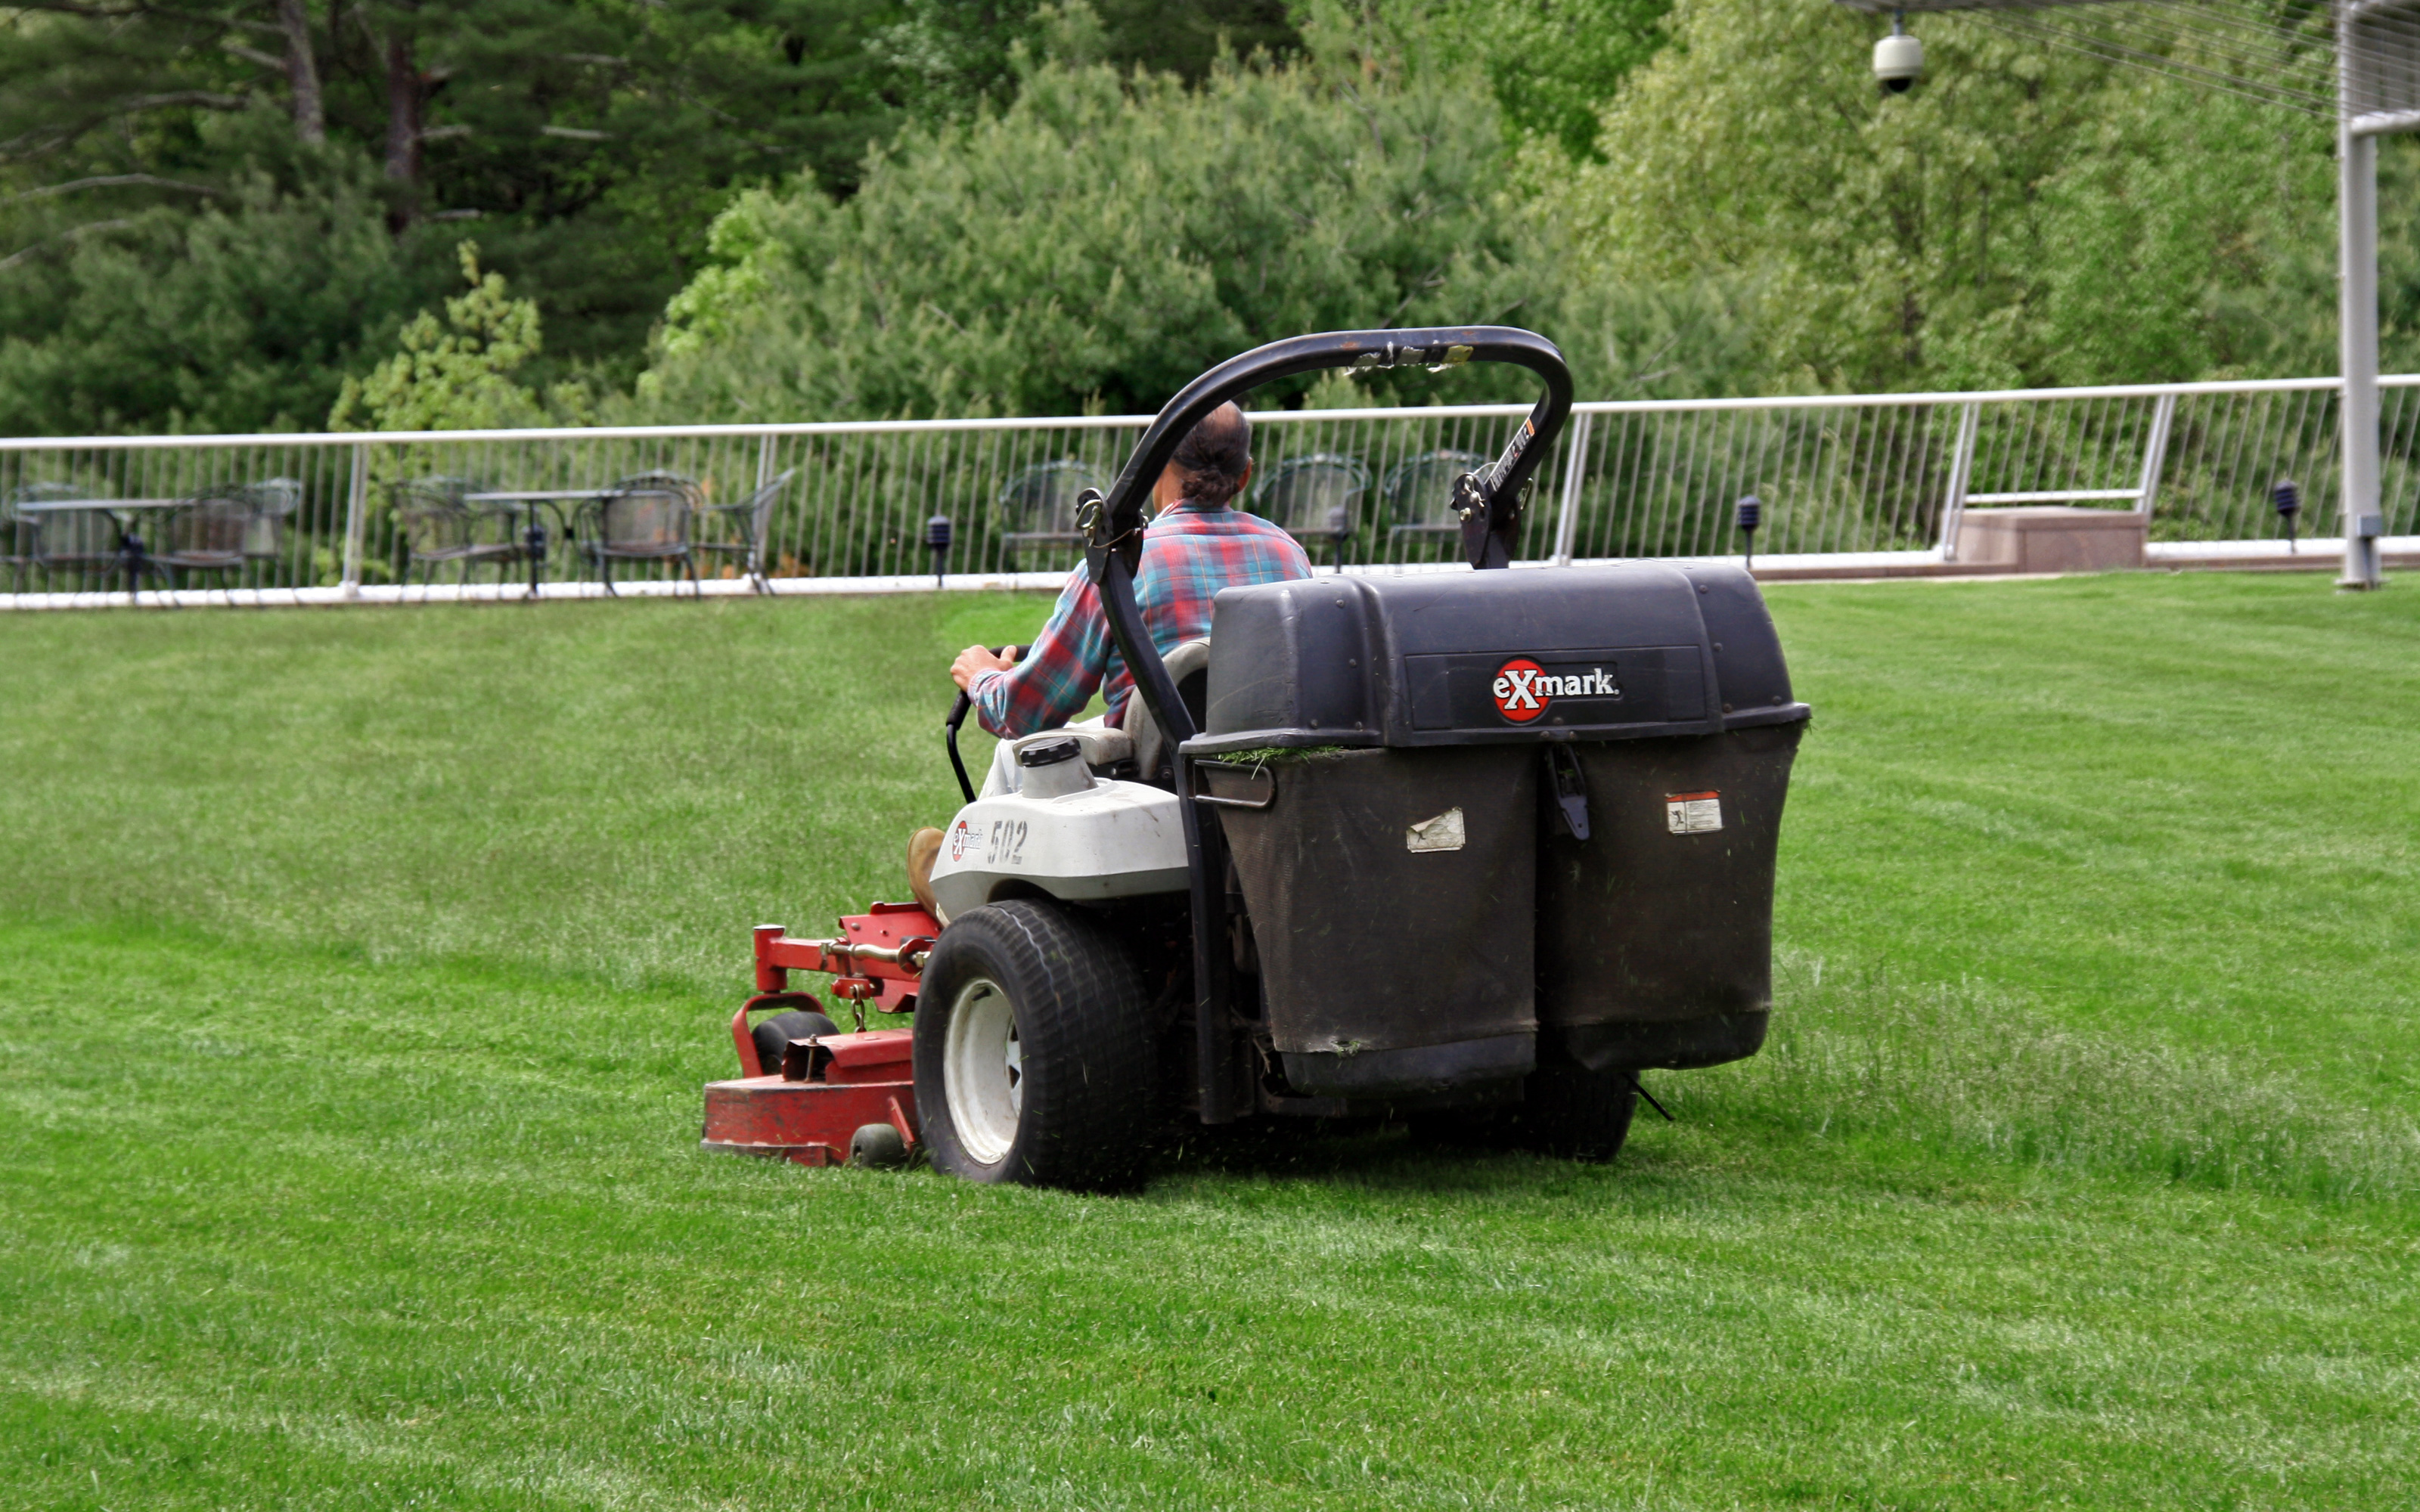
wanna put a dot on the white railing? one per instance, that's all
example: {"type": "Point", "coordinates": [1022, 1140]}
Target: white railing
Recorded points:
{"type": "Point", "coordinates": [1880, 477]}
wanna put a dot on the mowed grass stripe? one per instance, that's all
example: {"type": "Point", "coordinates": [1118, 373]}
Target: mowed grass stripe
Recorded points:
{"type": "Point", "coordinates": [501, 1270]}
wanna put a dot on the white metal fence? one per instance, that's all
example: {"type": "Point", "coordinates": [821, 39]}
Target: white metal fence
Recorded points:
{"type": "Point", "coordinates": [1870, 473]}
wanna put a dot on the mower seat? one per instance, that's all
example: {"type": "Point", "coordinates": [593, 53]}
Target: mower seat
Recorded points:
{"type": "Point", "coordinates": [1188, 668]}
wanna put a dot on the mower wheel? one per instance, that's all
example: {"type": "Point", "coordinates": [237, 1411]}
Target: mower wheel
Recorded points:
{"type": "Point", "coordinates": [1577, 1114]}
{"type": "Point", "coordinates": [878, 1146]}
{"type": "Point", "coordinates": [774, 1035]}
{"type": "Point", "coordinates": [1034, 1055]}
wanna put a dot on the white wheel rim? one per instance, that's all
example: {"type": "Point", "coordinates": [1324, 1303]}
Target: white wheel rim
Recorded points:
{"type": "Point", "coordinates": [983, 1071]}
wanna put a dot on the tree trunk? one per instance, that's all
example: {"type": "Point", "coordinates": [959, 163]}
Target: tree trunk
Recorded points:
{"type": "Point", "coordinates": [405, 95]}
{"type": "Point", "coordinates": [302, 73]}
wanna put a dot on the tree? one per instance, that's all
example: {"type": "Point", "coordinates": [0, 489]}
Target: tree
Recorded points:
{"type": "Point", "coordinates": [591, 141]}
{"type": "Point", "coordinates": [1097, 243]}
{"type": "Point", "coordinates": [459, 374]}
{"type": "Point", "coordinates": [244, 314]}
{"type": "Point", "coordinates": [2023, 216]}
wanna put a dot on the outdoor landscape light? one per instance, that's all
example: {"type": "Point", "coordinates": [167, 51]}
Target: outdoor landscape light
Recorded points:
{"type": "Point", "coordinates": [1750, 515]}
{"type": "Point", "coordinates": [937, 537]}
{"type": "Point", "coordinates": [2289, 502]}
{"type": "Point", "coordinates": [1899, 58]}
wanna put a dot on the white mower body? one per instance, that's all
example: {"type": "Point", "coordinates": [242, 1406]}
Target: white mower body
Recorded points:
{"type": "Point", "coordinates": [1105, 839]}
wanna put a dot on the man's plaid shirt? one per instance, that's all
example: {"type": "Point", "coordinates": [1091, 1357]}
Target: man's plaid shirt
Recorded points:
{"type": "Point", "coordinates": [1188, 554]}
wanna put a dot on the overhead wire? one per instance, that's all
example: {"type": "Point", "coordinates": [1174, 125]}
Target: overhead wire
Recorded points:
{"type": "Point", "coordinates": [2278, 56]}
{"type": "Point", "coordinates": [2283, 54]}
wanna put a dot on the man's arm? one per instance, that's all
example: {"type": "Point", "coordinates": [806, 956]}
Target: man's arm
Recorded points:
{"type": "Point", "coordinates": [1061, 673]}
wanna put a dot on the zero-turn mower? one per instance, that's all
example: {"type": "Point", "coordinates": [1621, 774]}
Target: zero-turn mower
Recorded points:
{"type": "Point", "coordinates": [1425, 846]}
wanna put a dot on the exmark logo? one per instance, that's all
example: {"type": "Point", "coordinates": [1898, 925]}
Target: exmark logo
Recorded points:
{"type": "Point", "coordinates": [1523, 688]}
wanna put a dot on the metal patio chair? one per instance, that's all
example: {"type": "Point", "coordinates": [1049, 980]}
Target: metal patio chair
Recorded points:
{"type": "Point", "coordinates": [19, 534]}
{"type": "Point", "coordinates": [646, 518]}
{"type": "Point", "coordinates": [1419, 493]}
{"type": "Point", "coordinates": [1315, 498]}
{"type": "Point", "coordinates": [1039, 505]}
{"type": "Point", "coordinates": [741, 529]}
{"type": "Point", "coordinates": [273, 502]}
{"type": "Point", "coordinates": [437, 528]}
{"type": "Point", "coordinates": [204, 534]}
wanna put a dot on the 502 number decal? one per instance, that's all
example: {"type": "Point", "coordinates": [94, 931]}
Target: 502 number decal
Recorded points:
{"type": "Point", "coordinates": [1006, 845]}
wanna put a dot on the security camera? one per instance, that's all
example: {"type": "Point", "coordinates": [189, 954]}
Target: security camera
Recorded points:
{"type": "Point", "coordinates": [1899, 58]}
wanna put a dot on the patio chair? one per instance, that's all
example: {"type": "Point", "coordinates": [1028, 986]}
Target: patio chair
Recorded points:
{"type": "Point", "coordinates": [741, 529]}
{"type": "Point", "coordinates": [1039, 504]}
{"type": "Point", "coordinates": [273, 502]}
{"type": "Point", "coordinates": [1419, 493]}
{"type": "Point", "coordinates": [646, 518]}
{"type": "Point", "coordinates": [204, 534]}
{"type": "Point", "coordinates": [19, 533]}
{"type": "Point", "coordinates": [437, 528]}
{"type": "Point", "coordinates": [1315, 498]}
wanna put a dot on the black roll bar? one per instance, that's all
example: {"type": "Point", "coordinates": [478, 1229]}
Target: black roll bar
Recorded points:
{"type": "Point", "coordinates": [1488, 505]}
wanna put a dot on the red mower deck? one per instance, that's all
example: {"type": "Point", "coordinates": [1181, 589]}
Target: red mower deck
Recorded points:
{"type": "Point", "coordinates": [810, 1107]}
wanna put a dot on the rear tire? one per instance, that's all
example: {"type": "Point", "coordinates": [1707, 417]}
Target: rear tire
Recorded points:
{"type": "Point", "coordinates": [1578, 1114]}
{"type": "Point", "coordinates": [1034, 1055]}
{"type": "Point", "coordinates": [774, 1035]}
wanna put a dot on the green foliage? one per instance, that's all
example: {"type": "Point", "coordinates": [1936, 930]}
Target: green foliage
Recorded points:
{"type": "Point", "coordinates": [592, 142]}
{"type": "Point", "coordinates": [1553, 64]}
{"type": "Point", "coordinates": [2023, 216]}
{"type": "Point", "coordinates": [955, 55]}
{"type": "Point", "coordinates": [459, 374]}
{"type": "Point", "coordinates": [243, 314]}
{"type": "Point", "coordinates": [1097, 243]}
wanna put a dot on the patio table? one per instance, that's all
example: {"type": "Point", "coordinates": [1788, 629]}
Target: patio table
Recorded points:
{"type": "Point", "coordinates": [134, 557]}
{"type": "Point", "coordinates": [532, 533]}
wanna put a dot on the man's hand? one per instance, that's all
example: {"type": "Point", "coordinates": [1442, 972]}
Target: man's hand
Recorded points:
{"type": "Point", "coordinates": [972, 663]}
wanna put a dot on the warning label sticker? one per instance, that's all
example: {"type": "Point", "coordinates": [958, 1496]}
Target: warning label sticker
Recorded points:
{"type": "Point", "coordinates": [1693, 813]}
{"type": "Point", "coordinates": [1443, 833]}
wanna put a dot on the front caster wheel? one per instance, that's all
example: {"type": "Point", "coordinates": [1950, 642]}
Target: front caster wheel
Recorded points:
{"type": "Point", "coordinates": [774, 1035]}
{"type": "Point", "coordinates": [1034, 1058]}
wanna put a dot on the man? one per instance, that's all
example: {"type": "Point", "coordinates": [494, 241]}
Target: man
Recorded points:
{"type": "Point", "coordinates": [1194, 545]}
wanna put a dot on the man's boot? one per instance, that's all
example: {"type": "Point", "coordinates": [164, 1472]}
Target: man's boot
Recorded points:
{"type": "Point", "coordinates": [924, 849]}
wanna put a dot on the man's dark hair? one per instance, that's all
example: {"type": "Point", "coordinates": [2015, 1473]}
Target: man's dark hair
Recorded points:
{"type": "Point", "coordinates": [1214, 455]}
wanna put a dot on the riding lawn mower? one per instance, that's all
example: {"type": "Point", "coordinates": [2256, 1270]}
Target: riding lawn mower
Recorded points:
{"type": "Point", "coordinates": [1462, 848]}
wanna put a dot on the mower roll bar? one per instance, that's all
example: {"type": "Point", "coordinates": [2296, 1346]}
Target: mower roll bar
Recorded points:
{"type": "Point", "coordinates": [1488, 503]}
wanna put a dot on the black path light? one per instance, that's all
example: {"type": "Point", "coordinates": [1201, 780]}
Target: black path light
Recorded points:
{"type": "Point", "coordinates": [936, 537]}
{"type": "Point", "coordinates": [1749, 515]}
{"type": "Point", "coordinates": [2288, 500]}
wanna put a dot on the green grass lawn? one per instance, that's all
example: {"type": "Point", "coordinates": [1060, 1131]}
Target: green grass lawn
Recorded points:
{"type": "Point", "coordinates": [358, 971]}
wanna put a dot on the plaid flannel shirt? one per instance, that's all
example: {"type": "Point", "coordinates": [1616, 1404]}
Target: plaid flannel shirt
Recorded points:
{"type": "Point", "coordinates": [1188, 554]}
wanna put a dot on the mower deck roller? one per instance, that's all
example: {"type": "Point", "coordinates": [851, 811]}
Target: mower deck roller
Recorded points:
{"type": "Point", "coordinates": [1473, 846]}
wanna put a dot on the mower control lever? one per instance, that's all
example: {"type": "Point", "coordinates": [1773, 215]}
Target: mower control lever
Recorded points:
{"type": "Point", "coordinates": [958, 716]}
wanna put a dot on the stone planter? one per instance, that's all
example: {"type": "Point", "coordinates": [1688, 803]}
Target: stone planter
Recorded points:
{"type": "Point", "coordinates": [2051, 538]}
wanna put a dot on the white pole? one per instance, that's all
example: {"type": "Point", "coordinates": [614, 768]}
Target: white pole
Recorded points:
{"type": "Point", "coordinates": [2155, 453]}
{"type": "Point", "coordinates": [1961, 465]}
{"type": "Point", "coordinates": [1567, 519]}
{"type": "Point", "coordinates": [356, 520]}
{"type": "Point", "coordinates": [2357, 323]}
